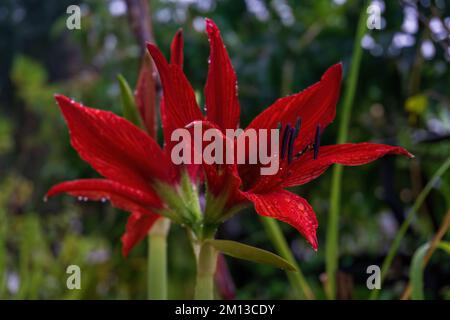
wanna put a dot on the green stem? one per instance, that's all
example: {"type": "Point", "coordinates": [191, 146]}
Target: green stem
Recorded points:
{"type": "Point", "coordinates": [296, 279]}
{"type": "Point", "coordinates": [405, 225]}
{"type": "Point", "coordinates": [157, 260]}
{"type": "Point", "coordinates": [332, 238]}
{"type": "Point", "coordinates": [206, 267]}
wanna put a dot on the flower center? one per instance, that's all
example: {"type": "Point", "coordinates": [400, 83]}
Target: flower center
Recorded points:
{"type": "Point", "coordinates": [289, 134]}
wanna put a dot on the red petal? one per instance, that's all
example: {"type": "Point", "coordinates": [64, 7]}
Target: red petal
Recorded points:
{"type": "Point", "coordinates": [176, 49]}
{"type": "Point", "coordinates": [145, 95]}
{"type": "Point", "coordinates": [221, 99]}
{"type": "Point", "coordinates": [121, 196]}
{"type": "Point", "coordinates": [314, 105]}
{"type": "Point", "coordinates": [138, 226]}
{"type": "Point", "coordinates": [224, 180]}
{"type": "Point", "coordinates": [179, 107]}
{"type": "Point", "coordinates": [350, 154]}
{"type": "Point", "coordinates": [290, 208]}
{"type": "Point", "coordinates": [114, 147]}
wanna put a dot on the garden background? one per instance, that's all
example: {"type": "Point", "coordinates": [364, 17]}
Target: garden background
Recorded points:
{"type": "Point", "coordinates": [277, 47]}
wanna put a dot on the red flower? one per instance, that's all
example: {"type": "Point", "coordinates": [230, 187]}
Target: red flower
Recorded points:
{"type": "Point", "coordinates": [302, 116]}
{"type": "Point", "coordinates": [128, 158]}
{"type": "Point", "coordinates": [139, 176]}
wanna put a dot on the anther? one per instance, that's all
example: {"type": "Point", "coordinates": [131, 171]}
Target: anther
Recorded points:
{"type": "Point", "coordinates": [297, 127]}
{"type": "Point", "coordinates": [291, 144]}
{"type": "Point", "coordinates": [317, 142]}
{"type": "Point", "coordinates": [284, 142]}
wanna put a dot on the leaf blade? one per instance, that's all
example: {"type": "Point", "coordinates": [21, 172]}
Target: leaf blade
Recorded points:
{"type": "Point", "coordinates": [130, 111]}
{"type": "Point", "coordinates": [246, 252]}
{"type": "Point", "coordinates": [417, 268]}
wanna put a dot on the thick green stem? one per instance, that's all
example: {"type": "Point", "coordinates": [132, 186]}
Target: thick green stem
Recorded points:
{"type": "Point", "coordinates": [296, 279]}
{"type": "Point", "coordinates": [157, 260]}
{"type": "Point", "coordinates": [332, 240]}
{"type": "Point", "coordinates": [206, 267]}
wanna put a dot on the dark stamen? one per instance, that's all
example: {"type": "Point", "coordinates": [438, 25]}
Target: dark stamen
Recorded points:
{"type": "Point", "coordinates": [291, 144]}
{"type": "Point", "coordinates": [317, 142]}
{"type": "Point", "coordinates": [285, 140]}
{"type": "Point", "coordinates": [297, 127]}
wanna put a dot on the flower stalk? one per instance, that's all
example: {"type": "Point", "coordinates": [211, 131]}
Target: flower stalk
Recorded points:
{"type": "Point", "coordinates": [296, 279]}
{"type": "Point", "coordinates": [332, 238]}
{"type": "Point", "coordinates": [157, 260]}
{"type": "Point", "coordinates": [206, 267]}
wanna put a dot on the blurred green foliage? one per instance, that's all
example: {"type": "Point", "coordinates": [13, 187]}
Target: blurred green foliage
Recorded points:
{"type": "Point", "coordinates": [277, 48]}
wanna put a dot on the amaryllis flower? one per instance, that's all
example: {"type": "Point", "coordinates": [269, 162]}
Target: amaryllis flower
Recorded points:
{"type": "Point", "coordinates": [138, 175]}
{"type": "Point", "coordinates": [302, 118]}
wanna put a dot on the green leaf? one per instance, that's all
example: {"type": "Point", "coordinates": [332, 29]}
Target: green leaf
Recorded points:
{"type": "Point", "coordinates": [416, 270]}
{"type": "Point", "coordinates": [130, 111]}
{"type": "Point", "coordinates": [246, 252]}
{"type": "Point", "coordinates": [444, 245]}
